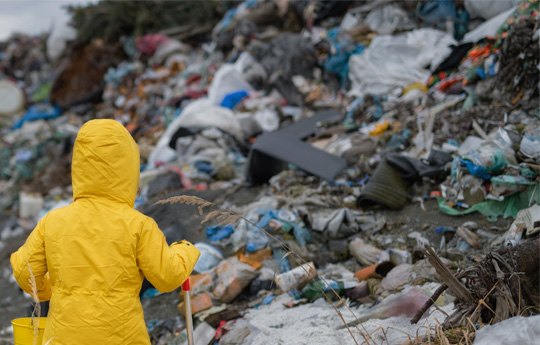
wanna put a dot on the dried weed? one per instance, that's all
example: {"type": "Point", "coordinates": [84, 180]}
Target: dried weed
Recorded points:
{"type": "Point", "coordinates": [36, 313]}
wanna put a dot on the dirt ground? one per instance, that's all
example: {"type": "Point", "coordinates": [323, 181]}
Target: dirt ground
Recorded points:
{"type": "Point", "coordinates": [183, 221]}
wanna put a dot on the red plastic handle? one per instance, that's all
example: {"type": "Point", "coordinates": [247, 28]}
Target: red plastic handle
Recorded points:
{"type": "Point", "coordinates": [186, 286]}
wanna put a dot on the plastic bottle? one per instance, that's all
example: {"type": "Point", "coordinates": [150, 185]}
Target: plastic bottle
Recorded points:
{"type": "Point", "coordinates": [296, 278]}
{"type": "Point", "coordinates": [238, 238]}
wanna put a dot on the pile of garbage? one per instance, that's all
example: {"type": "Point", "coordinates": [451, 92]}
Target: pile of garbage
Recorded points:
{"type": "Point", "coordinates": [333, 112]}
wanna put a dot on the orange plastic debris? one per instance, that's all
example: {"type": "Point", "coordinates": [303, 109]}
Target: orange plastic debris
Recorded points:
{"type": "Point", "coordinates": [380, 128]}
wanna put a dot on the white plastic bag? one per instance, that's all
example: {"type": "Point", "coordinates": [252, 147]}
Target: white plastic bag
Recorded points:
{"type": "Point", "coordinates": [57, 40]}
{"type": "Point", "coordinates": [517, 330]}
{"type": "Point", "coordinates": [487, 9]}
{"type": "Point", "coordinates": [488, 28]}
{"type": "Point", "coordinates": [199, 113]}
{"type": "Point", "coordinates": [397, 61]}
{"type": "Point", "coordinates": [227, 80]}
{"type": "Point", "coordinates": [388, 19]}
{"type": "Point", "coordinates": [210, 257]}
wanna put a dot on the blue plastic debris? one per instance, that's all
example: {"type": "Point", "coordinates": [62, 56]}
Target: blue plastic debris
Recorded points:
{"type": "Point", "coordinates": [302, 234]}
{"type": "Point", "coordinates": [217, 233]}
{"type": "Point", "coordinates": [149, 293]}
{"type": "Point", "coordinates": [203, 166]}
{"type": "Point", "coordinates": [444, 229]}
{"type": "Point", "coordinates": [279, 255]}
{"type": "Point", "coordinates": [38, 112]}
{"type": "Point", "coordinates": [232, 99]}
{"type": "Point", "coordinates": [338, 63]}
{"type": "Point", "coordinates": [437, 12]}
{"type": "Point", "coordinates": [268, 299]}
{"type": "Point", "coordinates": [23, 155]}
{"type": "Point", "coordinates": [475, 170]}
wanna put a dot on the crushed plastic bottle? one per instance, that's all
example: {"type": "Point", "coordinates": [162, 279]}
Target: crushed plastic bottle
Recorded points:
{"type": "Point", "coordinates": [238, 238]}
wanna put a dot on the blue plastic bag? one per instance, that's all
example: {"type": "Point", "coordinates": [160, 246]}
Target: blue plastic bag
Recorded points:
{"type": "Point", "coordinates": [38, 112]}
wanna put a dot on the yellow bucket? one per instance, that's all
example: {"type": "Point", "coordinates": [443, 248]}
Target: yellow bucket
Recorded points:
{"type": "Point", "coordinates": [23, 330]}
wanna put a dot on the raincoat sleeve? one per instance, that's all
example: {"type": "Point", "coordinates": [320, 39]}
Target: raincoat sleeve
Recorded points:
{"type": "Point", "coordinates": [165, 267]}
{"type": "Point", "coordinates": [31, 256]}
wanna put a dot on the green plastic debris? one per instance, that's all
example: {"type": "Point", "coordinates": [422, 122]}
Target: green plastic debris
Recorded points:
{"type": "Point", "coordinates": [470, 102]}
{"type": "Point", "coordinates": [492, 209]}
{"type": "Point", "coordinates": [319, 288]}
{"type": "Point", "coordinates": [42, 93]}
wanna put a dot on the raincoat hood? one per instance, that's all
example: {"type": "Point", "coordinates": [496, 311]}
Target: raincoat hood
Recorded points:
{"type": "Point", "coordinates": [106, 163]}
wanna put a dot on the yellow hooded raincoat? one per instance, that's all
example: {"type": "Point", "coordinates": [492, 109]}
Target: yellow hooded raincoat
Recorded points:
{"type": "Point", "coordinates": [89, 258]}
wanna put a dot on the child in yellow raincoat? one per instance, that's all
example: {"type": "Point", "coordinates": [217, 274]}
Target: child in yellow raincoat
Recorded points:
{"type": "Point", "coordinates": [90, 258]}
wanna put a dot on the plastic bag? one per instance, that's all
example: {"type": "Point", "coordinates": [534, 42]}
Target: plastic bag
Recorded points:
{"type": "Point", "coordinates": [407, 303]}
{"type": "Point", "coordinates": [437, 12]}
{"type": "Point", "coordinates": [199, 113]}
{"type": "Point", "coordinates": [493, 157]}
{"type": "Point", "coordinates": [255, 240]}
{"type": "Point", "coordinates": [487, 9]}
{"type": "Point", "coordinates": [388, 19]}
{"type": "Point", "coordinates": [488, 28]}
{"type": "Point", "coordinates": [469, 145]}
{"type": "Point", "coordinates": [397, 61]}
{"type": "Point", "coordinates": [210, 257]}
{"type": "Point", "coordinates": [517, 330]}
{"type": "Point", "coordinates": [364, 252]}
{"type": "Point", "coordinates": [226, 81]}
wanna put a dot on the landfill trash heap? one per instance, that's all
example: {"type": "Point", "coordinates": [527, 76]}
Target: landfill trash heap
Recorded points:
{"type": "Point", "coordinates": [380, 156]}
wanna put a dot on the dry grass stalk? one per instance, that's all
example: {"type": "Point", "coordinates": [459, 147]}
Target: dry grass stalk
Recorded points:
{"type": "Point", "coordinates": [227, 217]}
{"type": "Point", "coordinates": [440, 335]}
{"type": "Point", "coordinates": [503, 285]}
{"type": "Point", "coordinates": [36, 313]}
